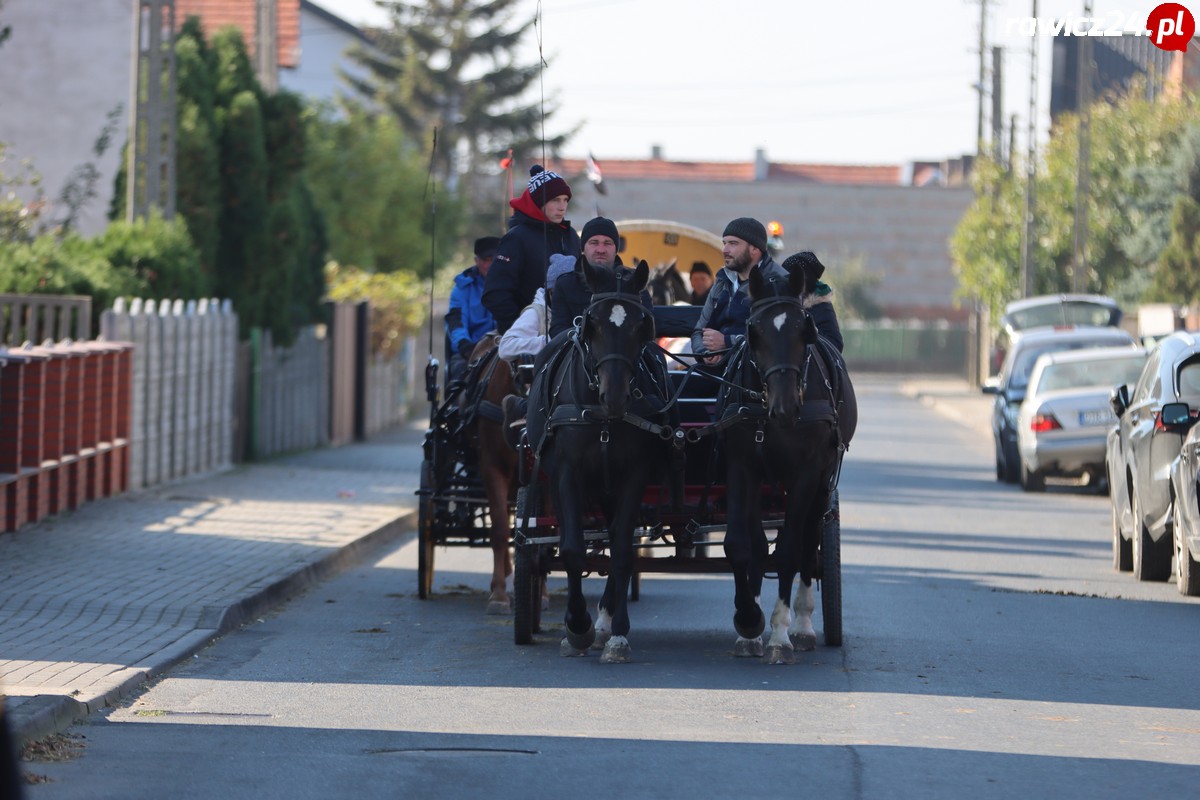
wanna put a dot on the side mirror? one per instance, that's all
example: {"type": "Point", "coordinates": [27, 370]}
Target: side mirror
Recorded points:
{"type": "Point", "coordinates": [991, 385]}
{"type": "Point", "coordinates": [1119, 399]}
{"type": "Point", "coordinates": [1175, 414]}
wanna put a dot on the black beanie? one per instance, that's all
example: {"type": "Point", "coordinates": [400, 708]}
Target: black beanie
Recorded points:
{"type": "Point", "coordinates": [749, 230]}
{"type": "Point", "coordinates": [545, 185]}
{"type": "Point", "coordinates": [806, 260]}
{"type": "Point", "coordinates": [600, 226]}
{"type": "Point", "coordinates": [700, 266]}
{"type": "Point", "coordinates": [485, 246]}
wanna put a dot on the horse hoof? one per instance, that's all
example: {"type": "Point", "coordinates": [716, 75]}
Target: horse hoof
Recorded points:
{"type": "Point", "coordinates": [617, 651]}
{"type": "Point", "coordinates": [581, 641]}
{"type": "Point", "coordinates": [602, 639]}
{"type": "Point", "coordinates": [748, 648]}
{"type": "Point", "coordinates": [754, 629]}
{"type": "Point", "coordinates": [499, 606]}
{"type": "Point", "coordinates": [568, 650]}
{"type": "Point", "coordinates": [779, 654]}
{"type": "Point", "coordinates": [804, 642]}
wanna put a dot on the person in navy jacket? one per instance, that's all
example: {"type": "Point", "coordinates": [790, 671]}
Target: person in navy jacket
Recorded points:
{"type": "Point", "coordinates": [467, 320]}
{"type": "Point", "coordinates": [537, 229]}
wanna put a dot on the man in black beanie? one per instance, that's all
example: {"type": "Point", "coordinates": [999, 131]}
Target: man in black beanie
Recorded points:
{"type": "Point", "coordinates": [701, 279]}
{"type": "Point", "coordinates": [467, 320]}
{"type": "Point", "coordinates": [722, 322]}
{"type": "Point", "coordinates": [571, 293]}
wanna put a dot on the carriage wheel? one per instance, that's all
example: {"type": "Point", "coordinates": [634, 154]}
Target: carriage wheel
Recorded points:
{"type": "Point", "coordinates": [527, 577]}
{"type": "Point", "coordinates": [831, 574]}
{"type": "Point", "coordinates": [425, 538]}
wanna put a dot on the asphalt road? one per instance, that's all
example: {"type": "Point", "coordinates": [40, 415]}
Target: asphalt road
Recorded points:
{"type": "Point", "coordinates": [990, 651]}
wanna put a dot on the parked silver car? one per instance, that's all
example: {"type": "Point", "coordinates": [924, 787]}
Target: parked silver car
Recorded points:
{"type": "Point", "coordinates": [1140, 451]}
{"type": "Point", "coordinates": [1009, 386]}
{"type": "Point", "coordinates": [1064, 420]}
{"type": "Point", "coordinates": [1185, 494]}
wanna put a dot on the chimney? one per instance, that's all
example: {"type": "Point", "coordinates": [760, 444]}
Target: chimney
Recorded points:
{"type": "Point", "coordinates": [761, 165]}
{"type": "Point", "coordinates": [656, 152]}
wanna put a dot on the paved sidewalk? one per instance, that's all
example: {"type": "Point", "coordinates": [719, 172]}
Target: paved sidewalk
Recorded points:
{"type": "Point", "coordinates": [952, 398]}
{"type": "Point", "coordinates": [94, 602]}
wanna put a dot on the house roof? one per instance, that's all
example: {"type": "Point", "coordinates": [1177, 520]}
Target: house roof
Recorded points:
{"type": "Point", "coordinates": [738, 171]}
{"type": "Point", "coordinates": [242, 14]}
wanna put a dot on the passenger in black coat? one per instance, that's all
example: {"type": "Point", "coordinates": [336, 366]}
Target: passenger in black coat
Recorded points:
{"type": "Point", "coordinates": [537, 229]}
{"type": "Point", "coordinates": [571, 293]}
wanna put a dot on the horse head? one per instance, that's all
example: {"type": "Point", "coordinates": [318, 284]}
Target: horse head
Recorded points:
{"type": "Point", "coordinates": [778, 333]}
{"type": "Point", "coordinates": [667, 286]}
{"type": "Point", "coordinates": [616, 327]}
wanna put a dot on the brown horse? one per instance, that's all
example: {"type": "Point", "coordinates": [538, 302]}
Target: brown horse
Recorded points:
{"type": "Point", "coordinates": [497, 461]}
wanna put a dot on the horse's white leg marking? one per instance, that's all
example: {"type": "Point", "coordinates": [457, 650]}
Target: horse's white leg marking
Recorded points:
{"type": "Point", "coordinates": [603, 627]}
{"type": "Point", "coordinates": [801, 631]}
{"type": "Point", "coordinates": [781, 618]}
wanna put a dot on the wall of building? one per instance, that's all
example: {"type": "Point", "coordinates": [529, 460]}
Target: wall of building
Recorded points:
{"type": "Point", "coordinates": [323, 46]}
{"type": "Point", "coordinates": [66, 67]}
{"type": "Point", "coordinates": [899, 233]}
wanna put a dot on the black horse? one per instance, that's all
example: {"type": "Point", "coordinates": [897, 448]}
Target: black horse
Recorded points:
{"type": "Point", "coordinates": [786, 424]}
{"type": "Point", "coordinates": [667, 286]}
{"type": "Point", "coordinates": [590, 422]}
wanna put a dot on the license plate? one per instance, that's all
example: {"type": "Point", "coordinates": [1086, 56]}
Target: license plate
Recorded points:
{"type": "Point", "coordinates": [1096, 416]}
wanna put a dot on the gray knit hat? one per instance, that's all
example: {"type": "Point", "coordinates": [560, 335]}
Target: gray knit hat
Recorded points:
{"type": "Point", "coordinates": [749, 230]}
{"type": "Point", "coordinates": [559, 265]}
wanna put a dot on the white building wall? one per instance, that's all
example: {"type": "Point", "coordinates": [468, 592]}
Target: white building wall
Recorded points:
{"type": "Point", "coordinates": [66, 66]}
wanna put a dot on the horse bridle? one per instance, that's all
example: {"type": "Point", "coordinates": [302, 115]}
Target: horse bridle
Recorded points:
{"type": "Point", "coordinates": [628, 301]}
{"type": "Point", "coordinates": [759, 309]}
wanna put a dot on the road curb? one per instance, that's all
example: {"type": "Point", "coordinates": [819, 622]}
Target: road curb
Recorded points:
{"type": "Point", "coordinates": [37, 716]}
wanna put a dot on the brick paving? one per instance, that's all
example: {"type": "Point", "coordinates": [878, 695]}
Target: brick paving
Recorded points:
{"type": "Point", "coordinates": [94, 602]}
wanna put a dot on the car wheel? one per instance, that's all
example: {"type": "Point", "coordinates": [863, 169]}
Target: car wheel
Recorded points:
{"type": "Point", "coordinates": [1122, 548]}
{"type": "Point", "coordinates": [1189, 568]}
{"type": "Point", "coordinates": [1012, 460]}
{"type": "Point", "coordinates": [1151, 559]}
{"type": "Point", "coordinates": [1032, 480]}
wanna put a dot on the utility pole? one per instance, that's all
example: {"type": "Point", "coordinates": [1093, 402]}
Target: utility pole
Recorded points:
{"type": "Point", "coordinates": [997, 105]}
{"type": "Point", "coordinates": [1029, 232]}
{"type": "Point", "coordinates": [1079, 260]}
{"type": "Point", "coordinates": [266, 50]}
{"type": "Point", "coordinates": [151, 166]}
{"type": "Point", "coordinates": [983, 4]}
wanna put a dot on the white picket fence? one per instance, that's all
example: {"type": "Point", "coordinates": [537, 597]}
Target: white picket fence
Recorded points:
{"type": "Point", "coordinates": [184, 370]}
{"type": "Point", "coordinates": [185, 417]}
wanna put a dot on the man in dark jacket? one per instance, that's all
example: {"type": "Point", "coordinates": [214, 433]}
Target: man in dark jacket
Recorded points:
{"type": "Point", "coordinates": [467, 320]}
{"type": "Point", "coordinates": [722, 322]}
{"type": "Point", "coordinates": [571, 293]}
{"type": "Point", "coordinates": [701, 279]}
{"type": "Point", "coordinates": [537, 229]}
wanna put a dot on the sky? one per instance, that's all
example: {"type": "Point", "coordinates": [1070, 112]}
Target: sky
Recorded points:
{"type": "Point", "coordinates": [874, 82]}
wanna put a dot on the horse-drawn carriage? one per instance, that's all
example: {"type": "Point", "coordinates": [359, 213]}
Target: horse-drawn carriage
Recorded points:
{"type": "Point", "coordinates": [629, 469]}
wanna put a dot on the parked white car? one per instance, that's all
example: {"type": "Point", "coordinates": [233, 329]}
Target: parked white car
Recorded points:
{"type": "Point", "coordinates": [1065, 416]}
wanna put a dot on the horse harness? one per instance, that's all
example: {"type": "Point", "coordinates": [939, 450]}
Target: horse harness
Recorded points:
{"type": "Point", "coordinates": [569, 413]}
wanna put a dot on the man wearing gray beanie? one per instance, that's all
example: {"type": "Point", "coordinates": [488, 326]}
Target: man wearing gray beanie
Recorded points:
{"type": "Point", "coordinates": [722, 322]}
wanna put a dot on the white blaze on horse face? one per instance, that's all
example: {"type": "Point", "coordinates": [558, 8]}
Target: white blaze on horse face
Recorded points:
{"type": "Point", "coordinates": [779, 320]}
{"type": "Point", "coordinates": [617, 317]}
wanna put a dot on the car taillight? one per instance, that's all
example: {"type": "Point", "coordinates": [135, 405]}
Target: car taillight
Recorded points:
{"type": "Point", "coordinates": [1044, 422]}
{"type": "Point", "coordinates": [1162, 427]}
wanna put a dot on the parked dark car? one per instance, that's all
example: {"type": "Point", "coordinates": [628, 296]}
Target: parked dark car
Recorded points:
{"type": "Point", "coordinates": [1140, 450]}
{"type": "Point", "coordinates": [1051, 310]}
{"type": "Point", "coordinates": [1010, 385]}
{"type": "Point", "coordinates": [1185, 494]}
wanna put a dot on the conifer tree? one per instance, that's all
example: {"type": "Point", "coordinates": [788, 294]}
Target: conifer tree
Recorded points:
{"type": "Point", "coordinates": [451, 64]}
